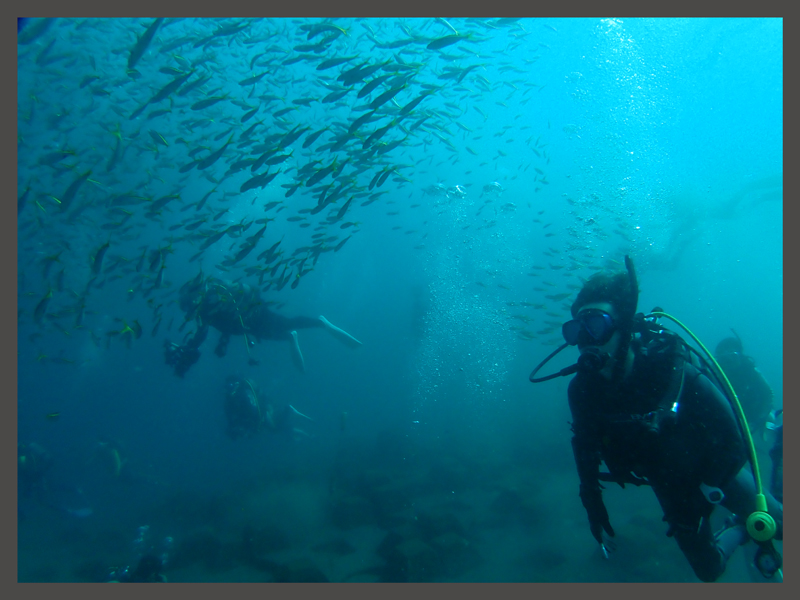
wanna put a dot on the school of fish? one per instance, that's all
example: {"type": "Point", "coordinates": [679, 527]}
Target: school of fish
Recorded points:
{"type": "Point", "coordinates": [104, 171]}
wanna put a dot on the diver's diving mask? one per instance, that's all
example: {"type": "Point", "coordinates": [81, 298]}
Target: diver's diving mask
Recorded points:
{"type": "Point", "coordinates": [592, 327]}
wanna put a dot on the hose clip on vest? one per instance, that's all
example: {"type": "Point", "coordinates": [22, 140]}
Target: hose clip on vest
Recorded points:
{"type": "Point", "coordinates": [760, 524]}
{"type": "Point", "coordinates": [712, 494]}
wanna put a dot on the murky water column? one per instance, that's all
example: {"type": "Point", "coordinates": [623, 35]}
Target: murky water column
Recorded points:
{"type": "Point", "coordinates": [464, 357]}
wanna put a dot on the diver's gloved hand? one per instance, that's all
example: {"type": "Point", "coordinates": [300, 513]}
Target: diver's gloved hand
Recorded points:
{"type": "Point", "coordinates": [189, 356]}
{"type": "Point", "coordinates": [592, 501]}
{"type": "Point", "coordinates": [608, 546]}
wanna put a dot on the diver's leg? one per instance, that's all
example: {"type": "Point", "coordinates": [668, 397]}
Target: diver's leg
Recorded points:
{"type": "Point", "coordinates": [297, 355]}
{"type": "Point", "coordinates": [298, 434]}
{"type": "Point", "coordinates": [283, 422]}
{"type": "Point", "coordinates": [688, 515]}
{"type": "Point", "coordinates": [299, 414]}
{"type": "Point", "coordinates": [740, 499]}
{"type": "Point", "coordinates": [301, 322]}
{"type": "Point", "coordinates": [708, 554]}
{"type": "Point", "coordinates": [340, 334]}
{"type": "Point", "coordinates": [763, 560]}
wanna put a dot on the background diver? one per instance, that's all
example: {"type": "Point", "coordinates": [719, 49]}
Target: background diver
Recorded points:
{"type": "Point", "coordinates": [756, 398]}
{"type": "Point", "coordinates": [149, 560]}
{"type": "Point", "coordinates": [752, 389]}
{"type": "Point", "coordinates": [645, 407]}
{"type": "Point", "coordinates": [247, 412]}
{"type": "Point", "coordinates": [237, 309]}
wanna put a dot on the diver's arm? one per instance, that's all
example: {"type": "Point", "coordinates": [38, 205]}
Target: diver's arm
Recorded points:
{"type": "Point", "coordinates": [586, 439]}
{"type": "Point", "coordinates": [199, 337]}
{"type": "Point", "coordinates": [763, 391]}
{"type": "Point", "coordinates": [587, 460]}
{"type": "Point", "coordinates": [181, 358]}
{"type": "Point", "coordinates": [586, 449]}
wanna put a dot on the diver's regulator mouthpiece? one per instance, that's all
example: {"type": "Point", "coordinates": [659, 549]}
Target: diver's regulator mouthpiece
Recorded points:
{"type": "Point", "coordinates": [592, 360]}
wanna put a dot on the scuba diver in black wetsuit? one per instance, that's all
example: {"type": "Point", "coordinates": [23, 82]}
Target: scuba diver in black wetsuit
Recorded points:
{"type": "Point", "coordinates": [752, 389]}
{"type": "Point", "coordinates": [237, 309]}
{"type": "Point", "coordinates": [248, 412]}
{"type": "Point", "coordinates": [644, 405]}
{"type": "Point", "coordinates": [756, 397]}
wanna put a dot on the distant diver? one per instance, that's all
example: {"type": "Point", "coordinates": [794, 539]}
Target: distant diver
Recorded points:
{"type": "Point", "coordinates": [249, 412]}
{"type": "Point", "coordinates": [756, 398]}
{"type": "Point", "coordinates": [752, 389]}
{"type": "Point", "coordinates": [237, 309]}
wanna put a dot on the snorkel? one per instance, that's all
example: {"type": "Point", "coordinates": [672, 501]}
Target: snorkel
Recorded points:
{"type": "Point", "coordinates": [625, 327]}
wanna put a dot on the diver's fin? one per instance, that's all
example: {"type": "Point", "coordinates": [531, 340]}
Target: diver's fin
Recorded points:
{"type": "Point", "coordinates": [299, 434]}
{"type": "Point", "coordinates": [340, 334]}
{"type": "Point", "coordinates": [297, 356]}
{"type": "Point", "coordinates": [299, 414]}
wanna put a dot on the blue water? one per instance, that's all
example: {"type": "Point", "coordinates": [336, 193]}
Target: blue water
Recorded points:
{"type": "Point", "coordinates": [657, 138]}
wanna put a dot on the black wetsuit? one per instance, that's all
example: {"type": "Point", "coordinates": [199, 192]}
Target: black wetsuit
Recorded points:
{"type": "Point", "coordinates": [232, 309]}
{"type": "Point", "coordinates": [756, 397]}
{"type": "Point", "coordinates": [247, 412]}
{"type": "Point", "coordinates": [752, 389]}
{"type": "Point", "coordinates": [243, 410]}
{"type": "Point", "coordinates": [633, 429]}
{"type": "Point", "coordinates": [237, 309]}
